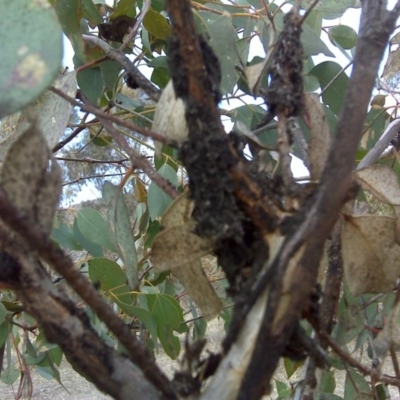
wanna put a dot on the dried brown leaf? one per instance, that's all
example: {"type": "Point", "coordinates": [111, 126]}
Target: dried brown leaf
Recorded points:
{"type": "Point", "coordinates": [179, 249]}
{"type": "Point", "coordinates": [31, 177]}
{"type": "Point", "coordinates": [179, 212]}
{"type": "Point", "coordinates": [320, 135]}
{"type": "Point", "coordinates": [381, 181]}
{"type": "Point", "coordinates": [199, 288]}
{"type": "Point", "coordinates": [371, 253]}
{"type": "Point", "coordinates": [177, 246]}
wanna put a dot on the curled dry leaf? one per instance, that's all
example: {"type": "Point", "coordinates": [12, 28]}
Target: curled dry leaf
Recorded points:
{"type": "Point", "coordinates": [52, 112]}
{"type": "Point", "coordinates": [32, 178]}
{"type": "Point", "coordinates": [320, 135]}
{"type": "Point", "coordinates": [381, 181]}
{"type": "Point", "coordinates": [254, 74]}
{"type": "Point", "coordinates": [178, 248]}
{"type": "Point", "coordinates": [169, 118]}
{"type": "Point", "coordinates": [371, 253]}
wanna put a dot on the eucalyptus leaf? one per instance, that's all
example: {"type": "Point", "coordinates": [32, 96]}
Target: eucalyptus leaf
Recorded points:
{"type": "Point", "coordinates": [30, 62]}
{"type": "Point", "coordinates": [118, 220]}
{"type": "Point", "coordinates": [94, 227]}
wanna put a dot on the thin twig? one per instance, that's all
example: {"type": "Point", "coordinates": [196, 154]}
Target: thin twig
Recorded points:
{"type": "Point", "coordinates": [70, 137]}
{"type": "Point", "coordinates": [335, 77]}
{"type": "Point", "coordinates": [83, 178]}
{"type": "Point", "coordinates": [140, 161]}
{"type": "Point", "coordinates": [120, 57]}
{"type": "Point", "coordinates": [132, 33]}
{"type": "Point", "coordinates": [309, 9]}
{"type": "Point", "coordinates": [112, 118]}
{"type": "Point", "coordinates": [381, 145]}
{"type": "Point", "coordinates": [346, 357]}
{"type": "Point", "coordinates": [92, 161]}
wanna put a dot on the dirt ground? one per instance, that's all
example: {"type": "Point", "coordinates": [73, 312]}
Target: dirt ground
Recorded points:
{"type": "Point", "coordinates": [78, 388]}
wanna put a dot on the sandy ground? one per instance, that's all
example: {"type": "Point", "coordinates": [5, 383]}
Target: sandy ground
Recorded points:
{"type": "Point", "coordinates": [78, 388]}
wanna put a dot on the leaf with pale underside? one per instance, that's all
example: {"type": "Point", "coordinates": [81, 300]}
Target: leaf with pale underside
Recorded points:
{"type": "Point", "coordinates": [371, 253]}
{"type": "Point", "coordinates": [52, 111]}
{"type": "Point", "coordinates": [381, 181]}
{"type": "Point", "coordinates": [179, 249]}
{"type": "Point", "coordinates": [320, 135]}
{"type": "Point", "coordinates": [169, 118]}
{"type": "Point", "coordinates": [31, 178]}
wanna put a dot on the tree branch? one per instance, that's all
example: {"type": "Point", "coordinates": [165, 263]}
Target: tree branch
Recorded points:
{"type": "Point", "coordinates": [68, 326]}
{"type": "Point", "coordinates": [307, 242]}
{"type": "Point", "coordinates": [119, 56]}
{"type": "Point", "coordinates": [41, 246]}
{"type": "Point", "coordinates": [112, 118]}
{"type": "Point", "coordinates": [381, 145]}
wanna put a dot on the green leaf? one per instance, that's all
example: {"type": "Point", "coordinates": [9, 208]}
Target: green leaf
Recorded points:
{"type": "Point", "coordinates": [332, 74]}
{"type": "Point", "coordinates": [166, 310]}
{"type": "Point", "coordinates": [250, 115]}
{"type": "Point", "coordinates": [10, 375]}
{"type": "Point", "coordinates": [157, 25]}
{"type": "Point", "coordinates": [313, 44]}
{"type": "Point", "coordinates": [330, 9]}
{"type": "Point", "coordinates": [291, 366]}
{"type": "Point", "coordinates": [344, 35]}
{"type": "Point", "coordinates": [328, 396]}
{"type": "Point", "coordinates": [120, 226]}
{"type": "Point", "coordinates": [157, 200]}
{"type": "Point", "coordinates": [111, 278]}
{"type": "Point", "coordinates": [69, 14]}
{"type": "Point", "coordinates": [127, 102]}
{"type": "Point", "coordinates": [160, 77]}
{"type": "Point", "coordinates": [144, 316]}
{"type": "Point", "coordinates": [64, 236]}
{"type": "Point", "coordinates": [4, 332]}
{"type": "Point", "coordinates": [282, 389]}
{"type": "Point", "coordinates": [152, 231]}
{"type": "Point", "coordinates": [56, 355]}
{"type": "Point", "coordinates": [29, 62]}
{"type": "Point", "coordinates": [374, 125]}
{"type": "Point", "coordinates": [47, 369]}
{"type": "Point", "coordinates": [94, 227]}
{"type": "Point", "coordinates": [110, 70]}
{"type": "Point", "coordinates": [94, 249]}
{"type": "Point", "coordinates": [169, 341]}
{"type": "Point", "coordinates": [314, 21]}
{"type": "Point", "coordinates": [91, 13]}
{"type": "Point", "coordinates": [124, 7]}
{"type": "Point", "coordinates": [356, 387]}
{"type": "Point", "coordinates": [328, 382]}
{"type": "Point", "coordinates": [223, 41]}
{"type": "Point", "coordinates": [3, 313]}
{"type": "Point", "coordinates": [90, 81]}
